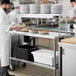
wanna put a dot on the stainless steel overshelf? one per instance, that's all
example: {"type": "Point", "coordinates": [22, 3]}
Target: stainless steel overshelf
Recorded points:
{"type": "Point", "coordinates": [34, 63]}
{"type": "Point", "coordinates": [38, 15]}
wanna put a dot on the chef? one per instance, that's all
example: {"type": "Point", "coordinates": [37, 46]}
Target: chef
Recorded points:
{"type": "Point", "coordinates": [13, 17]}
{"type": "Point", "coordinates": [73, 10]}
{"type": "Point", "coordinates": [4, 38]}
{"type": "Point", "coordinates": [73, 2]}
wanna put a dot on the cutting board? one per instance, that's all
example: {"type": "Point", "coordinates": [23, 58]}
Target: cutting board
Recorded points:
{"type": "Point", "coordinates": [71, 40]}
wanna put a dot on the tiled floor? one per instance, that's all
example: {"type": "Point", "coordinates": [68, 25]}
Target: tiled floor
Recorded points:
{"type": "Point", "coordinates": [32, 70]}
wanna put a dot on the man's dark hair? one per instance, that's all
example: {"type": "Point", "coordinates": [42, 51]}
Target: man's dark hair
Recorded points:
{"type": "Point", "coordinates": [5, 1]}
{"type": "Point", "coordinates": [72, 0]}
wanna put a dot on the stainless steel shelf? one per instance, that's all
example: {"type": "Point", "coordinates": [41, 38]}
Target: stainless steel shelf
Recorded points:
{"type": "Point", "coordinates": [38, 15]}
{"type": "Point", "coordinates": [52, 35]}
{"type": "Point", "coordinates": [34, 63]}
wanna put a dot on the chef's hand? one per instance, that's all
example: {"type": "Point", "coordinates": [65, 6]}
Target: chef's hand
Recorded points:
{"type": "Point", "coordinates": [71, 18]}
{"type": "Point", "coordinates": [15, 28]}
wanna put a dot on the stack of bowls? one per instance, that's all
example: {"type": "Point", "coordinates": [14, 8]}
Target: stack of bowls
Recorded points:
{"type": "Point", "coordinates": [24, 8]}
{"type": "Point", "coordinates": [45, 8]}
{"type": "Point", "coordinates": [56, 9]}
{"type": "Point", "coordinates": [34, 8]}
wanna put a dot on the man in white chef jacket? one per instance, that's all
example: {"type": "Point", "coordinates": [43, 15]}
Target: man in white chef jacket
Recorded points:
{"type": "Point", "coordinates": [4, 38]}
{"type": "Point", "coordinates": [72, 14]}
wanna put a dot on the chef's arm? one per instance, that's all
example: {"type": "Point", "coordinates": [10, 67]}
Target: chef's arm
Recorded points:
{"type": "Point", "coordinates": [71, 18]}
{"type": "Point", "coordinates": [10, 27]}
{"type": "Point", "coordinates": [14, 28]}
{"type": "Point", "coordinates": [74, 18]}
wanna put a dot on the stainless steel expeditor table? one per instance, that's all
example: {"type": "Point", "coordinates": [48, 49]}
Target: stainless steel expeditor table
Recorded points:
{"type": "Point", "coordinates": [51, 36]}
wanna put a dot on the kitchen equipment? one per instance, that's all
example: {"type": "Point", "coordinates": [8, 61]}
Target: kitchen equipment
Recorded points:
{"type": "Point", "coordinates": [24, 52]}
{"type": "Point", "coordinates": [56, 9]}
{"type": "Point", "coordinates": [34, 8]}
{"type": "Point", "coordinates": [71, 40]}
{"type": "Point", "coordinates": [24, 8]}
{"type": "Point", "coordinates": [68, 58]}
{"type": "Point", "coordinates": [45, 8]}
{"type": "Point", "coordinates": [45, 57]}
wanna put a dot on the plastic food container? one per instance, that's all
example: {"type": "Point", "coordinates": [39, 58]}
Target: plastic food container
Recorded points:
{"type": "Point", "coordinates": [45, 57]}
{"type": "Point", "coordinates": [24, 8]}
{"type": "Point", "coordinates": [56, 9]}
{"type": "Point", "coordinates": [45, 8]}
{"type": "Point", "coordinates": [34, 8]}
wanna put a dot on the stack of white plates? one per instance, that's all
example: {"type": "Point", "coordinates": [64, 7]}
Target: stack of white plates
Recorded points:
{"type": "Point", "coordinates": [56, 9]}
{"type": "Point", "coordinates": [45, 8]}
{"type": "Point", "coordinates": [34, 8]}
{"type": "Point", "coordinates": [24, 8]}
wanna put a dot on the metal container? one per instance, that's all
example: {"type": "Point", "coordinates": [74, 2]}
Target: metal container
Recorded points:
{"type": "Point", "coordinates": [56, 9]}
{"type": "Point", "coordinates": [24, 9]}
{"type": "Point", "coordinates": [45, 8]}
{"type": "Point", "coordinates": [34, 8]}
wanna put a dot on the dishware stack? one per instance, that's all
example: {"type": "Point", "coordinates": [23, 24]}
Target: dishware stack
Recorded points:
{"type": "Point", "coordinates": [41, 8]}
{"type": "Point", "coordinates": [24, 8]}
{"type": "Point", "coordinates": [34, 8]}
{"type": "Point", "coordinates": [56, 9]}
{"type": "Point", "coordinates": [45, 8]}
